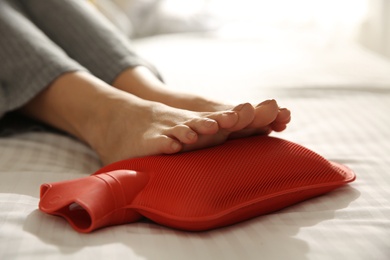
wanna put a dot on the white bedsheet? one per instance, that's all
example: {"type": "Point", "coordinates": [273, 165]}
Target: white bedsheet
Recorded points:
{"type": "Point", "coordinates": [340, 99]}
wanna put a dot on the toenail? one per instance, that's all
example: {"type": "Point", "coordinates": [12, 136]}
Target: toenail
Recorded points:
{"type": "Point", "coordinates": [229, 113]}
{"type": "Point", "coordinates": [209, 122]}
{"type": "Point", "coordinates": [239, 107]}
{"type": "Point", "coordinates": [175, 146]}
{"type": "Point", "coordinates": [191, 135]}
{"type": "Point", "coordinates": [266, 102]}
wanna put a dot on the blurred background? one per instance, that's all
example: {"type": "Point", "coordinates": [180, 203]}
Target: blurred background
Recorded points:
{"type": "Point", "coordinates": [323, 22]}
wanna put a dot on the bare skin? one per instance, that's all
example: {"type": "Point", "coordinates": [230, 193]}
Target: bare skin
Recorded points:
{"type": "Point", "coordinates": [141, 82]}
{"type": "Point", "coordinates": [119, 122]}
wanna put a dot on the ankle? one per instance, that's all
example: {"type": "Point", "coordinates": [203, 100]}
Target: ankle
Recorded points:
{"type": "Point", "coordinates": [117, 116]}
{"type": "Point", "coordinates": [71, 103]}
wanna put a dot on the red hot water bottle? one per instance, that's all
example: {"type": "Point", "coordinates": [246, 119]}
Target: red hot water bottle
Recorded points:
{"type": "Point", "coordinates": [198, 190]}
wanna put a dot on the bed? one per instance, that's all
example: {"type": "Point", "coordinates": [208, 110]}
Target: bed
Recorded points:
{"type": "Point", "coordinates": [339, 95]}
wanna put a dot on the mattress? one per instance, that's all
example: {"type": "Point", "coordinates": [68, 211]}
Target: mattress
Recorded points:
{"type": "Point", "coordinates": [339, 96]}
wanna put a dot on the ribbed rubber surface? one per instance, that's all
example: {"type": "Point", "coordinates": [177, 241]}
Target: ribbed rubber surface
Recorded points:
{"type": "Point", "coordinates": [225, 184]}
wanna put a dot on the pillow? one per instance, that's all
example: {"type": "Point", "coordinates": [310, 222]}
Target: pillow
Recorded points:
{"type": "Point", "coordinates": [198, 190]}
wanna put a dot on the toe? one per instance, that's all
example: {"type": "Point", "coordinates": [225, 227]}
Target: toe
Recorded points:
{"type": "Point", "coordinates": [168, 145]}
{"type": "Point", "coordinates": [284, 116]}
{"type": "Point", "coordinates": [225, 119]}
{"type": "Point", "coordinates": [205, 126]}
{"type": "Point", "coordinates": [183, 134]}
{"type": "Point", "coordinates": [265, 113]}
{"type": "Point", "coordinates": [237, 119]}
{"type": "Point", "coordinates": [246, 115]}
{"type": "Point", "coordinates": [278, 127]}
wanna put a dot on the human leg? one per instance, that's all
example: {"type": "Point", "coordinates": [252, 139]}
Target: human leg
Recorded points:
{"type": "Point", "coordinates": [119, 125]}
{"type": "Point", "coordinates": [112, 59]}
{"type": "Point", "coordinates": [29, 59]}
{"type": "Point", "coordinates": [268, 116]}
{"type": "Point", "coordinates": [85, 35]}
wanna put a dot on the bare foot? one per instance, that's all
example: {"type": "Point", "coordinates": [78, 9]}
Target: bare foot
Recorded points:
{"type": "Point", "coordinates": [119, 125]}
{"type": "Point", "coordinates": [268, 116]}
{"type": "Point", "coordinates": [129, 127]}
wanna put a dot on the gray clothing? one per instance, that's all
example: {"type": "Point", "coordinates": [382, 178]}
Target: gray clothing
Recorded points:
{"type": "Point", "coordinates": [43, 39]}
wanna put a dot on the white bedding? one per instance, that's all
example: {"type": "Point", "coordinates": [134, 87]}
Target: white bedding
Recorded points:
{"type": "Point", "coordinates": [340, 99]}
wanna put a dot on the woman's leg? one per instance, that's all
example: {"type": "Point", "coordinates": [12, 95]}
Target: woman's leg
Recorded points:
{"type": "Point", "coordinates": [140, 81]}
{"type": "Point", "coordinates": [29, 60]}
{"type": "Point", "coordinates": [90, 39]}
{"type": "Point", "coordinates": [119, 125]}
{"type": "Point", "coordinates": [86, 36]}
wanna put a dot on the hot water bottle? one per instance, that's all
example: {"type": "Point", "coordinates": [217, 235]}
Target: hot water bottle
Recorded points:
{"type": "Point", "coordinates": [198, 190]}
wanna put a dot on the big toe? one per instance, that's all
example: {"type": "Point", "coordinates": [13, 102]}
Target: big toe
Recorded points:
{"type": "Point", "coordinates": [246, 115]}
{"type": "Point", "coordinates": [265, 113]}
